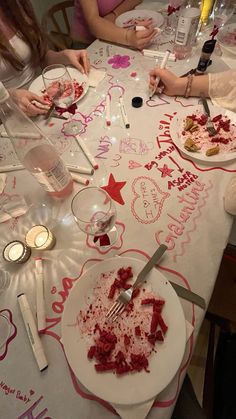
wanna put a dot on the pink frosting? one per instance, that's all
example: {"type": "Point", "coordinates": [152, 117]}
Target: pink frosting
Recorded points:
{"type": "Point", "coordinates": [79, 27]}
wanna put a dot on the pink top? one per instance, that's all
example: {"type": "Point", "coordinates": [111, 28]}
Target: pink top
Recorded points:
{"type": "Point", "coordinates": [79, 27]}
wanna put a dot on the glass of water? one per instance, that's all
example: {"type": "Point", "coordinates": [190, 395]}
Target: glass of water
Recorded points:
{"type": "Point", "coordinates": [59, 85]}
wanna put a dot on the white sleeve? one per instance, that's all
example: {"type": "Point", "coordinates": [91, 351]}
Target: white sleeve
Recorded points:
{"type": "Point", "coordinates": [222, 89]}
{"type": "Point", "coordinates": [230, 196]}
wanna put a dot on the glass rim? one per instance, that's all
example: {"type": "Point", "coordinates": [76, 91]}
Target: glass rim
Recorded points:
{"type": "Point", "coordinates": [52, 67]}
{"type": "Point", "coordinates": [82, 190]}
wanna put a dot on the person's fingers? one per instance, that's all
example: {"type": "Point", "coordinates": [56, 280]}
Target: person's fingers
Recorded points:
{"type": "Point", "coordinates": [31, 110]}
{"type": "Point", "coordinates": [84, 59]}
{"type": "Point", "coordinates": [75, 62]}
{"type": "Point", "coordinates": [40, 99]}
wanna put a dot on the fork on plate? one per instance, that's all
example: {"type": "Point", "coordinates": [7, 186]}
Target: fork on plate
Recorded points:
{"type": "Point", "coordinates": [209, 124]}
{"type": "Point", "coordinates": [126, 296]}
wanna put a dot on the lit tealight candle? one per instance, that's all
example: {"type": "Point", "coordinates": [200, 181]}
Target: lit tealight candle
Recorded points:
{"type": "Point", "coordinates": [40, 237]}
{"type": "Point", "coordinates": [16, 252]}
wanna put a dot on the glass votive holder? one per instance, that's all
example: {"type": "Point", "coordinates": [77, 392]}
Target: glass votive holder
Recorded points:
{"type": "Point", "coordinates": [40, 237]}
{"type": "Point", "coordinates": [16, 252]}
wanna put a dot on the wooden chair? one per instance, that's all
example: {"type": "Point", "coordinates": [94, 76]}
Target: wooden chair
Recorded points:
{"type": "Point", "coordinates": [55, 24]}
{"type": "Point", "coordinates": [221, 312]}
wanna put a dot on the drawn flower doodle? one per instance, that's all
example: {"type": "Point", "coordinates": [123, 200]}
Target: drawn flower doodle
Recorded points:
{"type": "Point", "coordinates": [119, 61]}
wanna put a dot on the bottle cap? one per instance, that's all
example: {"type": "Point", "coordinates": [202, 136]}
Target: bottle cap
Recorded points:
{"type": "Point", "coordinates": [209, 46]}
{"type": "Point", "coordinates": [137, 102]}
{"type": "Point", "coordinates": [4, 95]}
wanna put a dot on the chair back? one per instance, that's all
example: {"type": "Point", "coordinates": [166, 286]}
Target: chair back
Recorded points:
{"type": "Point", "coordinates": [55, 24]}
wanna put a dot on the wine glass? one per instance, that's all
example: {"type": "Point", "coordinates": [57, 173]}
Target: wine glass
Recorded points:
{"type": "Point", "coordinates": [95, 214]}
{"type": "Point", "coordinates": [59, 85]}
{"type": "Point", "coordinates": [222, 12]}
{"type": "Point", "coordinates": [173, 7]}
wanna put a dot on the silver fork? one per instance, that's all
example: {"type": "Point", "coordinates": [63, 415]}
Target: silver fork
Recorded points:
{"type": "Point", "coordinates": [209, 125]}
{"type": "Point", "coordinates": [125, 297]}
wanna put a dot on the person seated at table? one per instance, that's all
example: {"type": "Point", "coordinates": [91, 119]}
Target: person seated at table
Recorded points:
{"type": "Point", "coordinates": [220, 87]}
{"type": "Point", "coordinates": [96, 19]}
{"type": "Point", "coordinates": [23, 48]}
{"type": "Point", "coordinates": [230, 196]}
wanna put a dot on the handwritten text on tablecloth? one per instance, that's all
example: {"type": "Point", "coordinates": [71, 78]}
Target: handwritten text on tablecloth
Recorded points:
{"type": "Point", "coordinates": [148, 200]}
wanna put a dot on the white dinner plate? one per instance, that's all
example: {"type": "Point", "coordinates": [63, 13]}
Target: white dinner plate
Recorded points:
{"type": "Point", "coordinates": [132, 388]}
{"type": "Point", "coordinates": [37, 86]}
{"type": "Point", "coordinates": [156, 6]}
{"type": "Point", "coordinates": [227, 38]}
{"type": "Point", "coordinates": [176, 128]}
{"type": "Point", "coordinates": [128, 19]}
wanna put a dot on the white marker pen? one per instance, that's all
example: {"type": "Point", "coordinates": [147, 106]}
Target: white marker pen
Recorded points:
{"type": "Point", "coordinates": [40, 301]}
{"type": "Point", "coordinates": [86, 152]}
{"type": "Point", "coordinates": [32, 332]}
{"type": "Point", "coordinates": [11, 168]}
{"type": "Point", "coordinates": [163, 64]}
{"type": "Point", "coordinates": [79, 179]}
{"type": "Point", "coordinates": [124, 113]}
{"type": "Point", "coordinates": [80, 169]}
{"type": "Point", "coordinates": [108, 110]}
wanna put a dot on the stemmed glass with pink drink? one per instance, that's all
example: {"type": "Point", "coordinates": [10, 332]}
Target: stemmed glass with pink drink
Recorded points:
{"type": "Point", "coordinates": [173, 7]}
{"type": "Point", "coordinates": [95, 214]}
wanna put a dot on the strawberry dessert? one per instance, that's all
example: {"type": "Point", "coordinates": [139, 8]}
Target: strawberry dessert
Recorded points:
{"type": "Point", "coordinates": [197, 138]}
{"type": "Point", "coordinates": [53, 89]}
{"type": "Point", "coordinates": [124, 345]}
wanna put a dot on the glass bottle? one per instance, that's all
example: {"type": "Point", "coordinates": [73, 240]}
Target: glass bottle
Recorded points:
{"type": "Point", "coordinates": [34, 149]}
{"type": "Point", "coordinates": [207, 50]}
{"type": "Point", "coordinates": [187, 29]}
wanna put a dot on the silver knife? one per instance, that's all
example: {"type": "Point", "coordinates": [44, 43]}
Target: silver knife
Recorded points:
{"type": "Point", "coordinates": [49, 113]}
{"type": "Point", "coordinates": [188, 295]}
{"type": "Point", "coordinates": [149, 265]}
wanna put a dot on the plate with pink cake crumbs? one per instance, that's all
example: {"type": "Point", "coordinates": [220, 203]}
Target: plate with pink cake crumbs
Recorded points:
{"type": "Point", "coordinates": [132, 359]}
{"type": "Point", "coordinates": [189, 133]}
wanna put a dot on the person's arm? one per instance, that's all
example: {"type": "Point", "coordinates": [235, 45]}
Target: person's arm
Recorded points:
{"type": "Point", "coordinates": [27, 102]}
{"type": "Point", "coordinates": [222, 89]}
{"type": "Point", "coordinates": [104, 28]}
{"type": "Point", "coordinates": [172, 85]}
{"type": "Point", "coordinates": [77, 58]}
{"type": "Point", "coordinates": [230, 196]}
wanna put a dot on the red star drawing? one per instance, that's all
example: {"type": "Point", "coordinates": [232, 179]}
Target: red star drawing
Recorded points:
{"type": "Point", "coordinates": [165, 171]}
{"type": "Point", "coordinates": [113, 189]}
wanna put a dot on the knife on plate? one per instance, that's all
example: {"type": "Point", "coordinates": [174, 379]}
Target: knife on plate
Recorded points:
{"type": "Point", "coordinates": [188, 295]}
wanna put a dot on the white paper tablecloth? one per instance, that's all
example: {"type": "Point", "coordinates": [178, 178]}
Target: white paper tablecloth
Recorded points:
{"type": "Point", "coordinates": [146, 177]}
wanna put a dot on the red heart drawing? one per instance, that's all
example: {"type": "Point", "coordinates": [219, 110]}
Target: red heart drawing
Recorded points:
{"type": "Point", "coordinates": [154, 201]}
{"type": "Point", "coordinates": [157, 101]}
{"type": "Point", "coordinates": [134, 164]}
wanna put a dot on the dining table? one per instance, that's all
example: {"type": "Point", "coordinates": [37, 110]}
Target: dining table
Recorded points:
{"type": "Point", "coordinates": [161, 195]}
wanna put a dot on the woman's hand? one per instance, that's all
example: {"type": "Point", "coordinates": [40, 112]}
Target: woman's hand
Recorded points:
{"type": "Point", "coordinates": [27, 102]}
{"type": "Point", "coordinates": [78, 58]}
{"type": "Point", "coordinates": [169, 84]}
{"type": "Point", "coordinates": [142, 38]}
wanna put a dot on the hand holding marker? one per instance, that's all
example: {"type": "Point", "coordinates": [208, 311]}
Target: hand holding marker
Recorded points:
{"type": "Point", "coordinates": [163, 64]}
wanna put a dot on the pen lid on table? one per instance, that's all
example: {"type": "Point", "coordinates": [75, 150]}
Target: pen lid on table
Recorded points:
{"type": "Point", "coordinates": [137, 102]}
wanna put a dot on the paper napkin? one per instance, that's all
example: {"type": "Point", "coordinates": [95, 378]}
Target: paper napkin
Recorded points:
{"type": "Point", "coordinates": [140, 411]}
{"type": "Point", "coordinates": [95, 77]}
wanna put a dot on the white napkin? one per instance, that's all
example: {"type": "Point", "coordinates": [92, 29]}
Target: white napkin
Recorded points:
{"type": "Point", "coordinates": [95, 77]}
{"type": "Point", "coordinates": [3, 177]}
{"type": "Point", "coordinates": [140, 411]}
